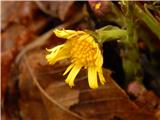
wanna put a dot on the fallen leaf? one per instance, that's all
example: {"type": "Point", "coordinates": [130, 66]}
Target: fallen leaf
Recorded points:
{"type": "Point", "coordinates": [16, 34]}
{"type": "Point", "coordinates": [105, 103]}
{"type": "Point", "coordinates": [27, 86]}
{"type": "Point", "coordinates": [148, 100]}
{"type": "Point", "coordinates": [63, 94]}
{"type": "Point", "coordinates": [33, 110]}
{"type": "Point", "coordinates": [7, 58]}
{"type": "Point", "coordinates": [26, 12]}
{"type": "Point", "coordinates": [63, 10]}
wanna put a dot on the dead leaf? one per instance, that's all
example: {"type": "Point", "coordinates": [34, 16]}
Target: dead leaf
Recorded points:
{"type": "Point", "coordinates": [158, 114]}
{"type": "Point", "coordinates": [148, 100]}
{"type": "Point", "coordinates": [33, 110]}
{"type": "Point", "coordinates": [7, 58]}
{"type": "Point", "coordinates": [63, 10]}
{"type": "Point", "coordinates": [27, 86]}
{"type": "Point", "coordinates": [15, 34]}
{"type": "Point", "coordinates": [108, 102]}
{"type": "Point", "coordinates": [63, 94]}
{"type": "Point", "coordinates": [26, 12]}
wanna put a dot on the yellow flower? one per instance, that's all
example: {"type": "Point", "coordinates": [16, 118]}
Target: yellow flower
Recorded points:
{"type": "Point", "coordinates": [83, 52]}
{"type": "Point", "coordinates": [97, 6]}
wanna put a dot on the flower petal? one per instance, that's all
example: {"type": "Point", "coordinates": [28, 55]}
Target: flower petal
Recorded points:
{"type": "Point", "coordinates": [64, 33]}
{"type": "Point", "coordinates": [55, 48]}
{"type": "Point", "coordinates": [70, 79]}
{"type": "Point", "coordinates": [83, 37]}
{"type": "Point", "coordinates": [58, 53]}
{"type": "Point", "coordinates": [101, 77]}
{"type": "Point", "coordinates": [99, 58]}
{"type": "Point", "coordinates": [92, 77]}
{"type": "Point", "coordinates": [68, 69]}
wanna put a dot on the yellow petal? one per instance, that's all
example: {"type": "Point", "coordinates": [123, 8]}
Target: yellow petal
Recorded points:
{"type": "Point", "coordinates": [68, 69]}
{"type": "Point", "coordinates": [81, 32]}
{"type": "Point", "coordinates": [97, 6]}
{"type": "Point", "coordinates": [72, 36]}
{"type": "Point", "coordinates": [70, 79]}
{"type": "Point", "coordinates": [58, 53]}
{"type": "Point", "coordinates": [77, 35]}
{"type": "Point", "coordinates": [51, 57]}
{"type": "Point", "coordinates": [84, 37]}
{"type": "Point", "coordinates": [59, 58]}
{"type": "Point", "coordinates": [55, 48]}
{"type": "Point", "coordinates": [92, 77]}
{"type": "Point", "coordinates": [54, 51]}
{"type": "Point", "coordinates": [101, 77]}
{"type": "Point", "coordinates": [64, 33]}
{"type": "Point", "coordinates": [99, 58]}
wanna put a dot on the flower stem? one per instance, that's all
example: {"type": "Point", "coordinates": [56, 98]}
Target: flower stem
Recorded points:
{"type": "Point", "coordinates": [110, 35]}
{"type": "Point", "coordinates": [131, 61]}
{"type": "Point", "coordinates": [148, 20]}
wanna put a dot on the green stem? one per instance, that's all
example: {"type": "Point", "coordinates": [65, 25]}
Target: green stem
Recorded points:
{"type": "Point", "coordinates": [148, 13]}
{"type": "Point", "coordinates": [110, 35]}
{"type": "Point", "coordinates": [130, 59]}
{"type": "Point", "coordinates": [148, 20]}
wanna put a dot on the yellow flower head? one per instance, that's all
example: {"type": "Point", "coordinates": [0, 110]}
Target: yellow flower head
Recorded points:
{"type": "Point", "coordinates": [83, 52]}
{"type": "Point", "coordinates": [97, 6]}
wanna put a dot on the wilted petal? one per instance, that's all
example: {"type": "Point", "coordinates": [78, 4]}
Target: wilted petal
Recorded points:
{"type": "Point", "coordinates": [64, 33]}
{"type": "Point", "coordinates": [92, 77]}
{"type": "Point", "coordinates": [72, 75]}
{"type": "Point", "coordinates": [101, 77]}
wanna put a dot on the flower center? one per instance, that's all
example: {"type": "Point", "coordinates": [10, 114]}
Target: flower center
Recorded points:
{"type": "Point", "coordinates": [83, 52]}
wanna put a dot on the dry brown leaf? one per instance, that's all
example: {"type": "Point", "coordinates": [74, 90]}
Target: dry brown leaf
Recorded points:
{"type": "Point", "coordinates": [148, 100]}
{"type": "Point", "coordinates": [63, 10]}
{"type": "Point", "coordinates": [27, 83]}
{"type": "Point", "coordinates": [7, 58]}
{"type": "Point", "coordinates": [158, 114]}
{"type": "Point", "coordinates": [63, 94]}
{"type": "Point", "coordinates": [17, 12]}
{"type": "Point", "coordinates": [18, 35]}
{"type": "Point", "coordinates": [18, 29]}
{"type": "Point", "coordinates": [49, 7]}
{"type": "Point", "coordinates": [66, 9]}
{"type": "Point", "coordinates": [13, 39]}
{"type": "Point", "coordinates": [108, 102]}
{"type": "Point", "coordinates": [31, 104]}
{"type": "Point", "coordinates": [33, 110]}
{"type": "Point", "coordinates": [66, 97]}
